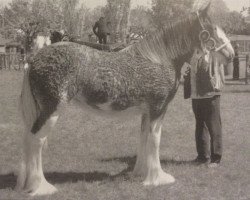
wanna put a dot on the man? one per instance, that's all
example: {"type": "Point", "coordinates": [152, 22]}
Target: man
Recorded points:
{"type": "Point", "coordinates": [203, 83]}
{"type": "Point", "coordinates": [236, 63]}
{"type": "Point", "coordinates": [100, 29]}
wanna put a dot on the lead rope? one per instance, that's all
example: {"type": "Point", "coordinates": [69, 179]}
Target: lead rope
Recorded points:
{"type": "Point", "coordinates": [198, 15]}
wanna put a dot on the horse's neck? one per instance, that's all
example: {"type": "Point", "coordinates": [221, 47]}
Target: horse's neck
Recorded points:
{"type": "Point", "coordinates": [180, 42]}
{"type": "Point", "coordinates": [172, 44]}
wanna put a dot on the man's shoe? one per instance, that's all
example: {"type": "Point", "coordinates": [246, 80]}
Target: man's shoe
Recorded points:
{"type": "Point", "coordinates": [200, 160]}
{"type": "Point", "coordinates": [213, 165]}
{"type": "Point", "coordinates": [215, 158]}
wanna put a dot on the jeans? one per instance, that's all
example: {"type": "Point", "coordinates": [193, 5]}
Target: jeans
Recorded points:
{"type": "Point", "coordinates": [102, 37]}
{"type": "Point", "coordinates": [208, 131]}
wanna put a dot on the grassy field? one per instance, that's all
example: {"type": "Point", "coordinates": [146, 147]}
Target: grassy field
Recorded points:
{"type": "Point", "coordinates": [91, 157]}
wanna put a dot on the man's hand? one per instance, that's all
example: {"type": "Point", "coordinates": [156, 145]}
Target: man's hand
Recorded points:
{"type": "Point", "coordinates": [185, 69]}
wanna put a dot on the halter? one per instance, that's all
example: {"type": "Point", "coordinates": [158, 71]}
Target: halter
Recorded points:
{"type": "Point", "coordinates": [208, 42]}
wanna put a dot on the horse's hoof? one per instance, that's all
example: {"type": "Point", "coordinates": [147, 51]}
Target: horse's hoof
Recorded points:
{"type": "Point", "coordinates": [161, 178]}
{"type": "Point", "coordinates": [45, 188]}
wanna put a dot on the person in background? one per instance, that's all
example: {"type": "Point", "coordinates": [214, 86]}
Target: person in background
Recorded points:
{"type": "Point", "coordinates": [100, 30]}
{"type": "Point", "coordinates": [109, 30]}
{"type": "Point", "coordinates": [202, 83]}
{"type": "Point", "coordinates": [236, 63]}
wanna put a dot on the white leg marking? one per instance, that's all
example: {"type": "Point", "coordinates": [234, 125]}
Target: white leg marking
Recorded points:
{"type": "Point", "coordinates": [139, 169]}
{"type": "Point", "coordinates": [155, 174]}
{"type": "Point", "coordinates": [31, 177]}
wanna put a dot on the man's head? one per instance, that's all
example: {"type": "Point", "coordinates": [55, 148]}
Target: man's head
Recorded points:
{"type": "Point", "coordinates": [236, 47]}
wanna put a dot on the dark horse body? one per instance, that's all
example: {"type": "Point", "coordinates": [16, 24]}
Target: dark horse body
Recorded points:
{"type": "Point", "coordinates": [120, 80]}
{"type": "Point", "coordinates": [145, 75]}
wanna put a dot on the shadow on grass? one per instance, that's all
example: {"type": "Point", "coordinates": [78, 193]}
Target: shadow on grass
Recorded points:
{"type": "Point", "coordinates": [236, 91]}
{"type": "Point", "coordinates": [235, 82]}
{"type": "Point", "coordinates": [9, 180]}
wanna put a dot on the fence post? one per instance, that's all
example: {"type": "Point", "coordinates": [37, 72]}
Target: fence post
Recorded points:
{"type": "Point", "coordinates": [246, 72]}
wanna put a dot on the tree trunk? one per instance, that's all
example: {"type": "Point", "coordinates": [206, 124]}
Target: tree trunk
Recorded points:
{"type": "Point", "coordinates": [117, 12]}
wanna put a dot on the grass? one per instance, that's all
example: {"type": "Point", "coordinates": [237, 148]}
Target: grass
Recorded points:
{"type": "Point", "coordinates": [90, 157]}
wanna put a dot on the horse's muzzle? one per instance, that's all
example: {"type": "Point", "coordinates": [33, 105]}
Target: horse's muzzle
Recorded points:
{"type": "Point", "coordinates": [227, 54]}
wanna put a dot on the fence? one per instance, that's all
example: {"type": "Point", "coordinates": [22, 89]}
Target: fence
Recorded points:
{"type": "Point", "coordinates": [11, 61]}
{"type": "Point", "coordinates": [247, 70]}
{"type": "Point", "coordinates": [244, 67]}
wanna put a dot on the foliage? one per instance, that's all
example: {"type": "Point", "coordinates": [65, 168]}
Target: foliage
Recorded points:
{"type": "Point", "coordinates": [140, 20]}
{"type": "Point", "coordinates": [36, 16]}
{"type": "Point", "coordinates": [219, 12]}
{"type": "Point", "coordinates": [231, 22]}
{"type": "Point", "coordinates": [235, 24]}
{"type": "Point", "coordinates": [165, 11]}
{"type": "Point", "coordinates": [24, 19]}
{"type": "Point", "coordinates": [21, 19]}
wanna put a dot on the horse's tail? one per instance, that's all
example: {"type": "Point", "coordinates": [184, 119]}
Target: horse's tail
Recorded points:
{"type": "Point", "coordinates": [28, 105]}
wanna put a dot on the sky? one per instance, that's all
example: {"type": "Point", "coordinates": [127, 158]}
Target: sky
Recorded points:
{"type": "Point", "coordinates": [232, 4]}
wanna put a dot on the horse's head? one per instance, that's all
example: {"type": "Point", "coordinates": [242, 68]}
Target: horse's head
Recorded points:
{"type": "Point", "coordinates": [56, 36]}
{"type": "Point", "coordinates": [211, 37]}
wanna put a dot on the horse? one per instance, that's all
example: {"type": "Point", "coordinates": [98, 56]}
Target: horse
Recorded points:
{"type": "Point", "coordinates": [144, 76]}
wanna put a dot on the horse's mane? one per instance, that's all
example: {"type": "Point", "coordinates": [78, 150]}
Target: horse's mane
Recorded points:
{"type": "Point", "coordinates": [173, 40]}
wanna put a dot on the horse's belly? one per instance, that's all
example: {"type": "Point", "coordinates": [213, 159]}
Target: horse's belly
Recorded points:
{"type": "Point", "coordinates": [107, 110]}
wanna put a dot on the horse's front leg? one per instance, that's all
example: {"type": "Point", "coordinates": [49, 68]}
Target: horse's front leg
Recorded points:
{"type": "Point", "coordinates": [139, 169]}
{"type": "Point", "coordinates": [154, 173]}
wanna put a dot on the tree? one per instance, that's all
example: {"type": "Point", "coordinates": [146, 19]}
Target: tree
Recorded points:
{"type": "Point", "coordinates": [165, 11]}
{"type": "Point", "coordinates": [117, 12]}
{"type": "Point", "coordinates": [21, 18]}
{"type": "Point", "coordinates": [140, 20]}
{"type": "Point", "coordinates": [70, 16]}
{"type": "Point", "coordinates": [219, 13]}
{"type": "Point", "coordinates": [235, 24]}
{"type": "Point", "coordinates": [231, 22]}
{"type": "Point", "coordinates": [40, 16]}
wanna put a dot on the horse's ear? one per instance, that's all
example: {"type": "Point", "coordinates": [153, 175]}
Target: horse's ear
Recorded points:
{"type": "Point", "coordinates": [201, 6]}
{"type": "Point", "coordinates": [204, 11]}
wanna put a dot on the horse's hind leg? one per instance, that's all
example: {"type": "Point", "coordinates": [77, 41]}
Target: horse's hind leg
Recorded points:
{"type": "Point", "coordinates": [31, 178]}
{"type": "Point", "coordinates": [154, 173]}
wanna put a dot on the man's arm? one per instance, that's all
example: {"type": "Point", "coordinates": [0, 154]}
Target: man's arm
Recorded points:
{"type": "Point", "coordinates": [94, 28]}
{"type": "Point", "coordinates": [186, 70]}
